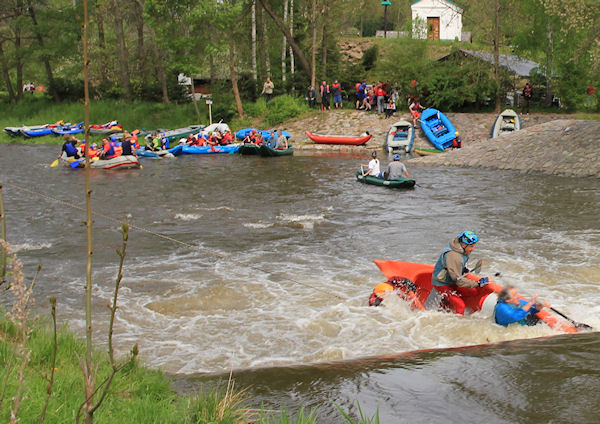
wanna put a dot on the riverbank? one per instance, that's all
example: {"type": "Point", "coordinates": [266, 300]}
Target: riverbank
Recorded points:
{"type": "Point", "coordinates": [548, 143]}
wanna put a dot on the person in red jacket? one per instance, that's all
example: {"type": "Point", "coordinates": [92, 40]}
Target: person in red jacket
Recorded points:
{"type": "Point", "coordinates": [336, 88]}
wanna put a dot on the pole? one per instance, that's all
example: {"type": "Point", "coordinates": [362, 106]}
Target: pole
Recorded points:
{"type": "Point", "coordinates": [3, 236]}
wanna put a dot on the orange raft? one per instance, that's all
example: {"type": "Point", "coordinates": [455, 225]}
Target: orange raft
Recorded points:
{"type": "Point", "coordinates": [338, 139]}
{"type": "Point", "coordinates": [420, 277]}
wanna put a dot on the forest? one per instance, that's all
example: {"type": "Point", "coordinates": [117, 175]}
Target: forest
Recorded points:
{"type": "Point", "coordinates": [137, 49]}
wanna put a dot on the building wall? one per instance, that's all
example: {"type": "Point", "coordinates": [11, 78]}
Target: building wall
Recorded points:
{"type": "Point", "coordinates": [450, 18]}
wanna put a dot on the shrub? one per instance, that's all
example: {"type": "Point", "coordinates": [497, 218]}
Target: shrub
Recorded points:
{"type": "Point", "coordinates": [282, 108]}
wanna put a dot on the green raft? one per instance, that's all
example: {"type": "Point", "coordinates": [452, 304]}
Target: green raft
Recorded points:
{"type": "Point", "coordinates": [266, 151]}
{"type": "Point", "coordinates": [397, 183]}
{"type": "Point", "coordinates": [248, 149]}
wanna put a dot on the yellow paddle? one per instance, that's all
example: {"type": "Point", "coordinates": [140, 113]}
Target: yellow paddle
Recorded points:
{"type": "Point", "coordinates": [53, 164]}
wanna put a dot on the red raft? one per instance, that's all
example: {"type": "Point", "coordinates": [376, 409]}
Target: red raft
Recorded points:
{"type": "Point", "coordinates": [420, 277]}
{"type": "Point", "coordinates": [338, 139]}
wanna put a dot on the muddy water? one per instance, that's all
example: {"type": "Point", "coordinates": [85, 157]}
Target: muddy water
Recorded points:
{"type": "Point", "coordinates": [272, 268]}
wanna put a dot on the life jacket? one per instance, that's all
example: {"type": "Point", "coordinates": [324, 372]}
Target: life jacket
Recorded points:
{"type": "Point", "coordinates": [336, 87]}
{"type": "Point", "coordinates": [357, 87]}
{"type": "Point", "coordinates": [70, 149]}
{"type": "Point", "coordinates": [109, 150]}
{"type": "Point", "coordinates": [441, 265]}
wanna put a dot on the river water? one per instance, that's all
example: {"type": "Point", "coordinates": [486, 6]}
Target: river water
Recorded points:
{"type": "Point", "coordinates": [264, 266]}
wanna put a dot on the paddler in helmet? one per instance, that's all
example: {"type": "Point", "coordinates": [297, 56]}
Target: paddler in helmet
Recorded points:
{"type": "Point", "coordinates": [403, 287]}
{"type": "Point", "coordinates": [448, 280]}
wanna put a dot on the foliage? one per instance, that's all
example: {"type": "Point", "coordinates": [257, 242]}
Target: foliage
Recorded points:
{"type": "Point", "coordinates": [362, 420]}
{"type": "Point", "coordinates": [282, 108]}
{"type": "Point", "coordinates": [370, 57]}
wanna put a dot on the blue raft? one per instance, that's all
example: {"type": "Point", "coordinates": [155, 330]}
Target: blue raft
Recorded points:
{"type": "Point", "coordinates": [438, 128]}
{"type": "Point", "coordinates": [208, 150]}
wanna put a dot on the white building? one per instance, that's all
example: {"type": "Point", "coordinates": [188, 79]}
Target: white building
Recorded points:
{"type": "Point", "coordinates": [436, 20]}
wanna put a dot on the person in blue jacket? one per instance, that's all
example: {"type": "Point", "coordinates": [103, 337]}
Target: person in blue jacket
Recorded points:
{"type": "Point", "coordinates": [510, 308]}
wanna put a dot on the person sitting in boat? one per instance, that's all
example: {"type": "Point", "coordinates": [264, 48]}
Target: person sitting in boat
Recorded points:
{"type": "Point", "coordinates": [414, 110]}
{"type": "Point", "coordinates": [128, 148]}
{"type": "Point", "coordinates": [510, 308]}
{"type": "Point", "coordinates": [228, 137]}
{"type": "Point", "coordinates": [69, 147]}
{"type": "Point", "coordinates": [457, 142]}
{"type": "Point", "coordinates": [109, 150]}
{"type": "Point", "coordinates": [373, 168]}
{"type": "Point", "coordinates": [156, 143]}
{"type": "Point", "coordinates": [273, 142]}
{"type": "Point", "coordinates": [396, 169]}
{"type": "Point", "coordinates": [448, 279]}
{"type": "Point", "coordinates": [403, 287]}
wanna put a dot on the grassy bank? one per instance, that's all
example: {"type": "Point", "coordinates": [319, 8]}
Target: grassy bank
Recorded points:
{"type": "Point", "coordinates": [141, 115]}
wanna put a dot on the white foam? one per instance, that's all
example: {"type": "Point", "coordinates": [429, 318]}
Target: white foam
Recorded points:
{"type": "Point", "coordinates": [188, 216]}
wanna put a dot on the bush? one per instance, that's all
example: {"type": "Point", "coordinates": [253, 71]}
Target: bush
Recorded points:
{"type": "Point", "coordinates": [282, 108]}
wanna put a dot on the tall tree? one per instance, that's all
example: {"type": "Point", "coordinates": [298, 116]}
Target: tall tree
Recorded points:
{"type": "Point", "coordinates": [122, 50]}
{"type": "Point", "coordinates": [253, 36]}
{"type": "Point", "coordinates": [283, 42]}
{"type": "Point", "coordinates": [291, 53]}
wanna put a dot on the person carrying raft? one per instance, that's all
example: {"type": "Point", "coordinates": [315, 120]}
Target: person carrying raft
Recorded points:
{"type": "Point", "coordinates": [510, 308]}
{"type": "Point", "coordinates": [448, 278]}
{"type": "Point", "coordinates": [69, 147]}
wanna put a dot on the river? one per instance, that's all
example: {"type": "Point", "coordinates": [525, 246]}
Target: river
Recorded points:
{"type": "Point", "coordinates": [264, 266]}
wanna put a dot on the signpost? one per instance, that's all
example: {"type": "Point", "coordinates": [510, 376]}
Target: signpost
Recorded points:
{"type": "Point", "coordinates": [209, 103]}
{"type": "Point", "coordinates": [385, 4]}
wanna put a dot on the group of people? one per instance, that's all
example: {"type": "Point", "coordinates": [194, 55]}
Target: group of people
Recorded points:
{"type": "Point", "coordinates": [325, 93]}
{"type": "Point", "coordinates": [394, 171]}
{"type": "Point", "coordinates": [379, 96]}
{"type": "Point", "coordinates": [74, 148]}
{"type": "Point", "coordinates": [215, 138]}
{"type": "Point", "coordinates": [277, 139]}
{"type": "Point", "coordinates": [450, 285]}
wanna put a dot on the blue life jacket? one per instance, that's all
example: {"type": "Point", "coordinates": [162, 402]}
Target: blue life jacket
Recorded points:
{"type": "Point", "coordinates": [441, 264]}
{"type": "Point", "coordinates": [70, 149]}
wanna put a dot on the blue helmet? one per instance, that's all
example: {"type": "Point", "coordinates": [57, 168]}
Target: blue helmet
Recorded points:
{"type": "Point", "coordinates": [468, 237]}
{"type": "Point", "coordinates": [396, 157]}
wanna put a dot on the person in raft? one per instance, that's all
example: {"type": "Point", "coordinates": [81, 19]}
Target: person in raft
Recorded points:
{"type": "Point", "coordinates": [510, 308]}
{"type": "Point", "coordinates": [108, 150]}
{"type": "Point", "coordinates": [448, 280]}
{"type": "Point", "coordinates": [396, 169]}
{"type": "Point", "coordinates": [373, 167]}
{"type": "Point", "coordinates": [69, 147]}
{"type": "Point", "coordinates": [128, 146]}
{"type": "Point", "coordinates": [403, 287]}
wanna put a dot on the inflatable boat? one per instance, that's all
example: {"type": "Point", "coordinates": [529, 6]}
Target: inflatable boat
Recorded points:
{"type": "Point", "coordinates": [338, 139]}
{"type": "Point", "coordinates": [207, 150]}
{"type": "Point", "coordinates": [507, 122]}
{"type": "Point", "coordinates": [418, 287]}
{"type": "Point", "coordinates": [400, 137]}
{"type": "Point", "coordinates": [397, 183]}
{"type": "Point", "coordinates": [437, 128]}
{"type": "Point", "coordinates": [120, 162]}
{"type": "Point", "coordinates": [266, 151]}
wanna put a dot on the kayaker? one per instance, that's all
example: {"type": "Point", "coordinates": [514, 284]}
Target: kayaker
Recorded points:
{"type": "Point", "coordinates": [510, 308]}
{"type": "Point", "coordinates": [373, 168]}
{"type": "Point", "coordinates": [403, 287]}
{"type": "Point", "coordinates": [396, 169]}
{"type": "Point", "coordinates": [69, 147]}
{"type": "Point", "coordinates": [108, 150]}
{"type": "Point", "coordinates": [273, 142]}
{"type": "Point", "coordinates": [448, 280]}
{"type": "Point", "coordinates": [156, 143]}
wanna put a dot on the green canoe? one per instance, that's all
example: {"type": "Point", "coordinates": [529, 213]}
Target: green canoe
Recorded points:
{"type": "Point", "coordinates": [397, 183]}
{"type": "Point", "coordinates": [267, 151]}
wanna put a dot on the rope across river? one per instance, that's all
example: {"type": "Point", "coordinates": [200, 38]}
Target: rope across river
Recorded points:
{"type": "Point", "coordinates": [154, 233]}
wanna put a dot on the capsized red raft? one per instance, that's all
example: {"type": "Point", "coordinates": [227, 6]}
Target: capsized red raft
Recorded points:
{"type": "Point", "coordinates": [338, 139]}
{"type": "Point", "coordinates": [420, 275]}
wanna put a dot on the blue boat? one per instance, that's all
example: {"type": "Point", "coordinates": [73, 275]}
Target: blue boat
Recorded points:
{"type": "Point", "coordinates": [400, 137]}
{"type": "Point", "coordinates": [438, 128]}
{"type": "Point", "coordinates": [75, 129]}
{"type": "Point", "coordinates": [266, 134]}
{"type": "Point", "coordinates": [35, 131]}
{"type": "Point", "coordinates": [207, 150]}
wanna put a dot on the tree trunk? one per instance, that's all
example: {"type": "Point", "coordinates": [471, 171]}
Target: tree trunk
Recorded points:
{"type": "Point", "coordinates": [549, 63]}
{"type": "Point", "coordinates": [497, 54]}
{"type": "Point", "coordinates": [102, 44]}
{"type": "Point", "coordinates": [158, 65]}
{"type": "Point", "coordinates": [253, 18]}
{"type": "Point", "coordinates": [283, 29]}
{"type": "Point", "coordinates": [139, 11]}
{"type": "Point", "coordinates": [45, 58]}
{"type": "Point", "coordinates": [266, 44]}
{"type": "Point", "coordinates": [313, 49]}
{"type": "Point", "coordinates": [291, 53]}
{"type": "Point", "coordinates": [11, 93]}
{"type": "Point", "coordinates": [233, 77]}
{"type": "Point", "coordinates": [122, 50]}
{"type": "Point", "coordinates": [283, 42]}
{"type": "Point", "coordinates": [324, 42]}
{"type": "Point", "coordinates": [18, 63]}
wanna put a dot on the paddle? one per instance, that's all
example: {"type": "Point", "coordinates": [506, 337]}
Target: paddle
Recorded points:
{"type": "Point", "coordinates": [53, 164]}
{"type": "Point", "coordinates": [75, 163]}
{"type": "Point", "coordinates": [475, 269]}
{"type": "Point", "coordinates": [579, 325]}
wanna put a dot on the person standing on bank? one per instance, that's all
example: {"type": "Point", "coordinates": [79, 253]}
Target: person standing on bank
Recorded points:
{"type": "Point", "coordinates": [527, 96]}
{"type": "Point", "coordinates": [267, 90]}
{"type": "Point", "coordinates": [448, 280]}
{"type": "Point", "coordinates": [336, 88]}
{"type": "Point", "coordinates": [324, 91]}
{"type": "Point", "coordinates": [396, 169]}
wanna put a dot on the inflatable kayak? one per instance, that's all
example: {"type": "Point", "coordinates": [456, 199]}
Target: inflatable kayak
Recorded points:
{"type": "Point", "coordinates": [419, 286]}
{"type": "Point", "coordinates": [338, 139]}
{"type": "Point", "coordinates": [266, 151]}
{"type": "Point", "coordinates": [397, 183]}
{"type": "Point", "coordinates": [167, 153]}
{"type": "Point", "coordinates": [207, 150]}
{"type": "Point", "coordinates": [75, 129]}
{"type": "Point", "coordinates": [248, 149]}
